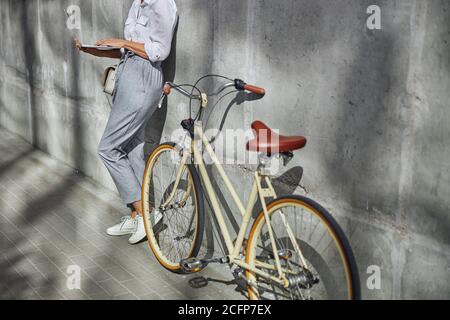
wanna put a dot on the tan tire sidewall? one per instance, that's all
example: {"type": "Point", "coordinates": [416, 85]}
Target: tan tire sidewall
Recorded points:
{"type": "Point", "coordinates": [259, 223]}
{"type": "Point", "coordinates": [150, 236]}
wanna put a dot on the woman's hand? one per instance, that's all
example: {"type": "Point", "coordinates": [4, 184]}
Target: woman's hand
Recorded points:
{"type": "Point", "coordinates": [114, 54]}
{"type": "Point", "coordinates": [77, 45]}
{"type": "Point", "coordinates": [120, 43]}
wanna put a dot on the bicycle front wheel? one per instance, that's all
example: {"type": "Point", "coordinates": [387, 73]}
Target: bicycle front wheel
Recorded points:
{"type": "Point", "coordinates": [313, 254]}
{"type": "Point", "coordinates": [173, 212]}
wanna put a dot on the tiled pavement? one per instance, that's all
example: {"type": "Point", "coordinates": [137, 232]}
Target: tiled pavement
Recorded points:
{"type": "Point", "coordinates": [52, 218]}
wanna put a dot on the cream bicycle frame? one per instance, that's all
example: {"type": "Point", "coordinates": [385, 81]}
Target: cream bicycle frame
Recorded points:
{"type": "Point", "coordinates": [246, 212]}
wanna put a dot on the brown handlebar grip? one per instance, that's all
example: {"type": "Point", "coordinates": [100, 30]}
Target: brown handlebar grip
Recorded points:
{"type": "Point", "coordinates": [255, 89]}
{"type": "Point", "coordinates": [167, 89]}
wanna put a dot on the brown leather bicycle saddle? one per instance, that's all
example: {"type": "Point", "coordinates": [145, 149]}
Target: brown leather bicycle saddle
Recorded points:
{"type": "Point", "coordinates": [270, 142]}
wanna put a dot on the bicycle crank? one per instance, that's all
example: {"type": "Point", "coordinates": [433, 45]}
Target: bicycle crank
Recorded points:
{"type": "Point", "coordinates": [283, 254]}
{"type": "Point", "coordinates": [192, 265]}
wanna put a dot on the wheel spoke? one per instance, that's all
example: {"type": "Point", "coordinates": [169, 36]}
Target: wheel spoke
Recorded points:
{"type": "Point", "coordinates": [175, 234]}
{"type": "Point", "coordinates": [326, 271]}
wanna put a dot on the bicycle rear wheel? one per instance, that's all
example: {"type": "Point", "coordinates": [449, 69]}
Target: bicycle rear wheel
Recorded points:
{"type": "Point", "coordinates": [175, 232]}
{"type": "Point", "coordinates": [319, 263]}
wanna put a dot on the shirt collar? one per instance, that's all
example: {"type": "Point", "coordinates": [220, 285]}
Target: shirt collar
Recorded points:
{"type": "Point", "coordinates": [145, 3]}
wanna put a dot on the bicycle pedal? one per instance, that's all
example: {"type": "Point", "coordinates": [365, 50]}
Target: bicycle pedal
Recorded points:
{"type": "Point", "coordinates": [198, 282]}
{"type": "Point", "coordinates": [191, 265]}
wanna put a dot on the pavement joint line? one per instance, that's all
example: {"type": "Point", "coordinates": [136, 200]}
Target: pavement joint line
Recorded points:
{"type": "Point", "coordinates": [101, 268]}
{"type": "Point", "coordinates": [140, 257]}
{"type": "Point", "coordinates": [98, 233]}
{"type": "Point", "coordinates": [21, 188]}
{"type": "Point", "coordinates": [94, 204]}
{"type": "Point", "coordinates": [83, 222]}
{"type": "Point", "coordinates": [90, 242]}
{"type": "Point", "coordinates": [41, 251]}
{"type": "Point", "coordinates": [114, 279]}
{"type": "Point", "coordinates": [31, 262]}
{"type": "Point", "coordinates": [21, 214]}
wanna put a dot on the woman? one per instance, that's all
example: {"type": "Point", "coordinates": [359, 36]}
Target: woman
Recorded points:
{"type": "Point", "coordinates": [148, 37]}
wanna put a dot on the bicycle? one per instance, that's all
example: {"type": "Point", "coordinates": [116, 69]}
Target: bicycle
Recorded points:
{"type": "Point", "coordinates": [283, 256]}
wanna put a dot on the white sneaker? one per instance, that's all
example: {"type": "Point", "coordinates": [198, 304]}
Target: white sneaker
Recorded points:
{"type": "Point", "coordinates": [127, 225]}
{"type": "Point", "coordinates": [139, 233]}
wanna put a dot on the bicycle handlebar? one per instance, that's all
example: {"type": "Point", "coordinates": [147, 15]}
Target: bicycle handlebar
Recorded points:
{"type": "Point", "coordinates": [241, 85]}
{"type": "Point", "coordinates": [238, 84]}
{"type": "Point", "coordinates": [168, 86]}
{"type": "Point", "coordinates": [255, 89]}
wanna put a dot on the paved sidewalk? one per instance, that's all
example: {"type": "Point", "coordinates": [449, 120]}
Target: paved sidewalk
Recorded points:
{"type": "Point", "coordinates": [52, 218]}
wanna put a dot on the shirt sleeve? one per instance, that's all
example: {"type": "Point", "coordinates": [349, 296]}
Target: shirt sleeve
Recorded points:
{"type": "Point", "coordinates": [129, 22]}
{"type": "Point", "coordinates": [158, 43]}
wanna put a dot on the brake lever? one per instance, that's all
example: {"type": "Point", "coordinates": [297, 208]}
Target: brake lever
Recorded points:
{"type": "Point", "coordinates": [161, 100]}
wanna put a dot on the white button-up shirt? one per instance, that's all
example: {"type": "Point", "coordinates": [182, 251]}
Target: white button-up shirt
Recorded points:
{"type": "Point", "coordinates": [152, 22]}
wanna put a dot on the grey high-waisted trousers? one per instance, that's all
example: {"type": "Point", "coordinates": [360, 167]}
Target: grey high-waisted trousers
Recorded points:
{"type": "Point", "coordinates": [138, 88]}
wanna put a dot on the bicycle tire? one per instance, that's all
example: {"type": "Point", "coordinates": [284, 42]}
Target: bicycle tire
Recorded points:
{"type": "Point", "coordinates": [347, 256]}
{"type": "Point", "coordinates": [199, 211]}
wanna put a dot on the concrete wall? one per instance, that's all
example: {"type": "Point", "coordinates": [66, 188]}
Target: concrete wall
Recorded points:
{"type": "Point", "coordinates": [373, 104]}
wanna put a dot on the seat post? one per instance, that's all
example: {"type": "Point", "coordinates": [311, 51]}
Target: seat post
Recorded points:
{"type": "Point", "coordinates": [263, 161]}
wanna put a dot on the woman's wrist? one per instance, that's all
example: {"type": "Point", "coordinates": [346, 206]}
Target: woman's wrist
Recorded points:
{"type": "Point", "coordinates": [125, 45]}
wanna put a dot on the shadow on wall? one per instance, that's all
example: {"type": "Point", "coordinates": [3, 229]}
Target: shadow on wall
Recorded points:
{"type": "Point", "coordinates": [31, 59]}
{"type": "Point", "coordinates": [364, 129]}
{"type": "Point", "coordinates": [213, 236]}
{"type": "Point", "coordinates": [155, 125]}
{"type": "Point", "coordinates": [364, 167]}
{"type": "Point", "coordinates": [427, 211]}
{"type": "Point", "coordinates": [283, 184]}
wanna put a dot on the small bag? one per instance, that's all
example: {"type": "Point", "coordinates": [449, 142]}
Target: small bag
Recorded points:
{"type": "Point", "coordinates": [109, 79]}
